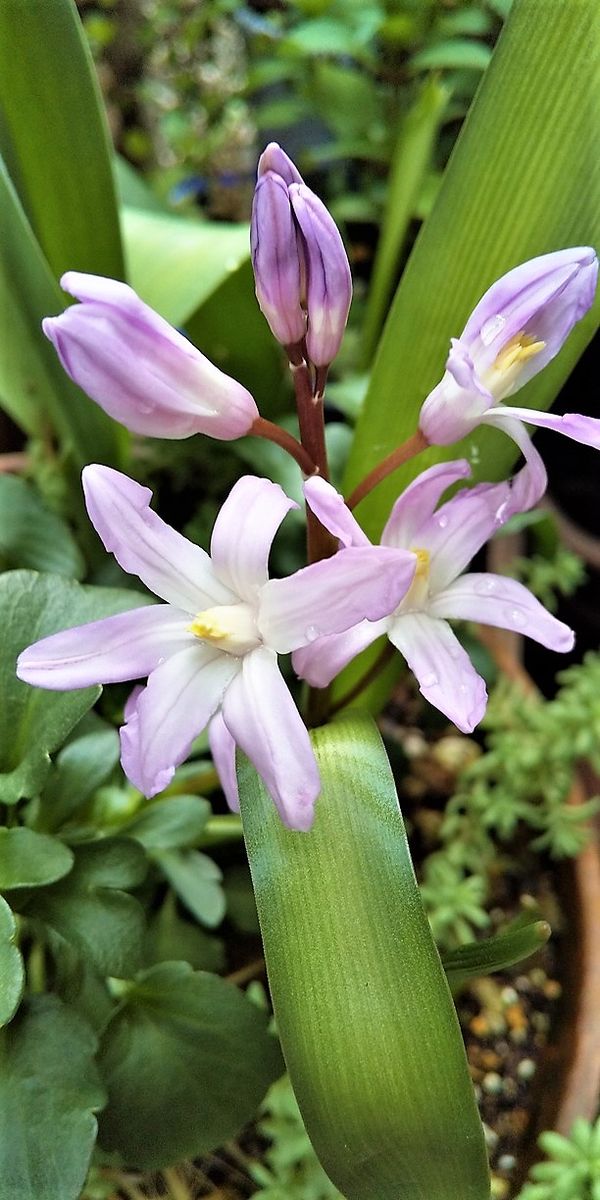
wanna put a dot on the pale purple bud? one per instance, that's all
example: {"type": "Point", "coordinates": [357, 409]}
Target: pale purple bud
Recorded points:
{"type": "Point", "coordinates": [276, 259]}
{"type": "Point", "coordinates": [273, 158]}
{"type": "Point", "coordinates": [139, 369]}
{"type": "Point", "coordinates": [328, 278]}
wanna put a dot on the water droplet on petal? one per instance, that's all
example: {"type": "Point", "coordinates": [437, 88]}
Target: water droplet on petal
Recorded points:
{"type": "Point", "coordinates": [485, 586]}
{"type": "Point", "coordinates": [491, 328]}
{"type": "Point", "coordinates": [442, 521]}
{"type": "Point", "coordinates": [161, 661]}
{"type": "Point", "coordinates": [311, 633]}
{"type": "Point", "coordinates": [430, 680]}
{"type": "Point", "coordinates": [517, 618]}
{"type": "Point", "coordinates": [501, 513]}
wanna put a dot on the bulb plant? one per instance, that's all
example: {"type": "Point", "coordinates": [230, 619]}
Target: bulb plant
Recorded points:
{"type": "Point", "coordinates": [331, 870]}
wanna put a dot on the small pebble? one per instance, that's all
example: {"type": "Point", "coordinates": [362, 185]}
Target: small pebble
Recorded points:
{"type": "Point", "coordinates": [509, 996]}
{"type": "Point", "coordinates": [538, 977]}
{"type": "Point", "coordinates": [509, 1089]}
{"type": "Point", "coordinates": [552, 989]}
{"type": "Point", "coordinates": [526, 1068]}
{"type": "Point", "coordinates": [540, 1021]}
{"type": "Point", "coordinates": [519, 1035]}
{"type": "Point", "coordinates": [506, 1162]}
{"type": "Point", "coordinates": [491, 1137]}
{"type": "Point", "coordinates": [492, 1083]}
{"type": "Point", "coordinates": [500, 1188]}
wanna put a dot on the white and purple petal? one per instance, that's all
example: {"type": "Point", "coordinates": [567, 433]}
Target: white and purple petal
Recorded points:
{"type": "Point", "coordinates": [243, 534]}
{"type": "Point", "coordinates": [177, 703]}
{"type": "Point", "coordinates": [222, 748]}
{"type": "Point", "coordinates": [330, 509]}
{"type": "Point", "coordinates": [330, 596]}
{"type": "Point", "coordinates": [144, 545]}
{"type": "Point", "coordinates": [505, 603]}
{"type": "Point", "coordinates": [458, 529]}
{"type": "Point", "coordinates": [414, 508]}
{"type": "Point", "coordinates": [444, 671]}
{"type": "Point", "coordinates": [265, 723]}
{"type": "Point", "coordinates": [126, 646]}
{"type": "Point", "coordinates": [320, 662]}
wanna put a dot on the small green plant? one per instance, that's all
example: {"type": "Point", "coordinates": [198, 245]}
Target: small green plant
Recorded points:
{"type": "Point", "coordinates": [293, 1171]}
{"type": "Point", "coordinates": [572, 1168]}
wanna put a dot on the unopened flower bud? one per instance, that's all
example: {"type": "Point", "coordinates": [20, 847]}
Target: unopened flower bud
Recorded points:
{"type": "Point", "coordinates": [273, 158]}
{"type": "Point", "coordinates": [139, 369]}
{"type": "Point", "coordinates": [276, 259]}
{"type": "Point", "coordinates": [328, 278]}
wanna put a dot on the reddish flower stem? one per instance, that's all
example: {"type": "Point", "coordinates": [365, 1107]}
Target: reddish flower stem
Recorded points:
{"type": "Point", "coordinates": [409, 449]}
{"type": "Point", "coordinates": [274, 433]}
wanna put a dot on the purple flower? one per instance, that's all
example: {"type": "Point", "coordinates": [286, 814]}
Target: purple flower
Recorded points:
{"type": "Point", "coordinates": [139, 369]}
{"type": "Point", "coordinates": [516, 329]}
{"type": "Point", "coordinates": [444, 541]}
{"type": "Point", "coordinates": [212, 647]}
{"type": "Point", "coordinates": [301, 270]}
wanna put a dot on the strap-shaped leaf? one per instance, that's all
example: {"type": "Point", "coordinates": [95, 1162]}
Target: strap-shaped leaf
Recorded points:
{"type": "Point", "coordinates": [363, 1009]}
{"type": "Point", "coordinates": [495, 953]}
{"type": "Point", "coordinates": [523, 180]}
{"type": "Point", "coordinates": [57, 137]}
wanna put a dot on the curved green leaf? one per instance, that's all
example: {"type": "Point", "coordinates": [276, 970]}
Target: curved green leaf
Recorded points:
{"type": "Point", "coordinates": [29, 859]}
{"type": "Point", "coordinates": [207, 1049]}
{"type": "Point", "coordinates": [49, 1092]}
{"type": "Point", "coordinates": [363, 1009]}
{"type": "Point", "coordinates": [57, 135]}
{"type": "Point", "coordinates": [494, 953]}
{"type": "Point", "coordinates": [31, 535]}
{"type": "Point", "coordinates": [12, 970]}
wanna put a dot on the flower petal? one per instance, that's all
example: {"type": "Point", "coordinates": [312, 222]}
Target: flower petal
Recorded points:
{"type": "Point", "coordinates": [330, 596]}
{"type": "Point", "coordinates": [460, 527]}
{"type": "Point", "coordinates": [573, 425]}
{"type": "Point", "coordinates": [418, 502]}
{"type": "Point", "coordinates": [544, 297]}
{"type": "Point", "coordinates": [321, 661]}
{"type": "Point", "coordinates": [330, 509]}
{"type": "Point", "coordinates": [265, 723]}
{"type": "Point", "coordinates": [530, 483]}
{"type": "Point", "coordinates": [244, 531]}
{"type": "Point", "coordinates": [506, 603]}
{"type": "Point", "coordinates": [222, 748]}
{"type": "Point", "coordinates": [458, 402]}
{"type": "Point", "coordinates": [126, 646]}
{"type": "Point", "coordinates": [144, 545]}
{"type": "Point", "coordinates": [445, 673]}
{"type": "Point", "coordinates": [180, 698]}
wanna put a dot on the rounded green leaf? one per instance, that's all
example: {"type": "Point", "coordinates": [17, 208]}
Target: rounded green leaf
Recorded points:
{"type": "Point", "coordinates": [187, 1060]}
{"type": "Point", "coordinates": [12, 971]}
{"type": "Point", "coordinates": [30, 859]}
{"type": "Point", "coordinates": [49, 1091]}
{"type": "Point", "coordinates": [363, 1009]}
{"type": "Point", "coordinates": [31, 535]}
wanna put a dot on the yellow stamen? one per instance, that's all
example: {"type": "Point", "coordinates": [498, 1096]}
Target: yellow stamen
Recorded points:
{"type": "Point", "coordinates": [423, 556]}
{"type": "Point", "coordinates": [207, 627]}
{"type": "Point", "coordinates": [229, 627]}
{"type": "Point", "coordinates": [521, 347]}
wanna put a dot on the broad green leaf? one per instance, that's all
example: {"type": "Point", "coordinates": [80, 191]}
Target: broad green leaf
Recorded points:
{"type": "Point", "coordinates": [12, 971]}
{"type": "Point", "coordinates": [29, 859]}
{"type": "Point", "coordinates": [90, 909]}
{"type": "Point", "coordinates": [176, 263]}
{"type": "Point", "coordinates": [34, 389]}
{"type": "Point", "coordinates": [79, 770]}
{"type": "Point", "coordinates": [196, 1041]}
{"type": "Point", "coordinates": [363, 1009]}
{"type": "Point", "coordinates": [169, 937]}
{"type": "Point", "coordinates": [173, 823]}
{"type": "Point", "coordinates": [494, 953]}
{"type": "Point", "coordinates": [132, 189]}
{"type": "Point", "coordinates": [197, 881]}
{"type": "Point", "coordinates": [31, 535]}
{"type": "Point", "coordinates": [35, 722]}
{"type": "Point", "coordinates": [58, 136]}
{"type": "Point", "coordinates": [522, 181]}
{"type": "Point", "coordinates": [49, 1092]}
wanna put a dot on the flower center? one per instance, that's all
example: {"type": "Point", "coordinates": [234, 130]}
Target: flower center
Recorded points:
{"type": "Point", "coordinates": [228, 627]}
{"type": "Point", "coordinates": [508, 364]}
{"type": "Point", "coordinates": [416, 596]}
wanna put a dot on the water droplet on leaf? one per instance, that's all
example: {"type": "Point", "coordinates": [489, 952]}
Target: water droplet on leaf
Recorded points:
{"type": "Point", "coordinates": [491, 328]}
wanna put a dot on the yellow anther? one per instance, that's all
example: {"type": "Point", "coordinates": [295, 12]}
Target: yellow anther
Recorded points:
{"type": "Point", "coordinates": [521, 347]}
{"type": "Point", "coordinates": [422, 570]}
{"type": "Point", "coordinates": [207, 627]}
